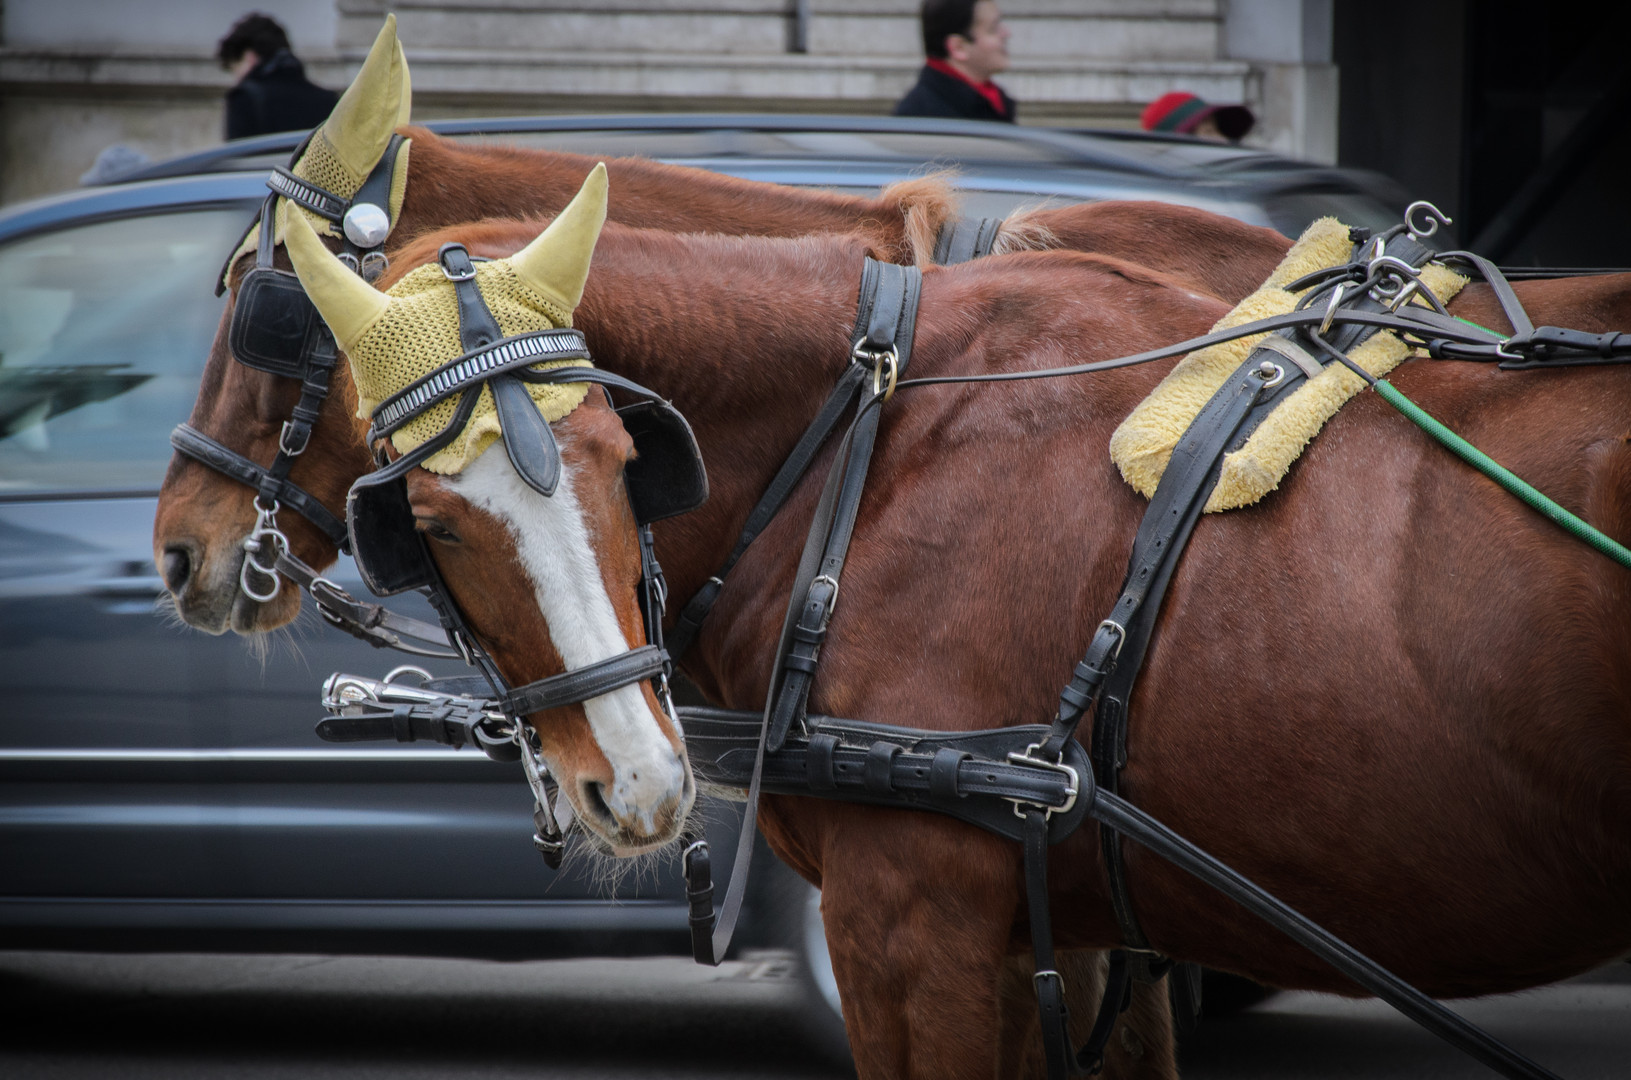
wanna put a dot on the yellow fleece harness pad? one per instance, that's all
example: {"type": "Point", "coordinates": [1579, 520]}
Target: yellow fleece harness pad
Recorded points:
{"type": "Point", "coordinates": [1143, 444]}
{"type": "Point", "coordinates": [419, 333]}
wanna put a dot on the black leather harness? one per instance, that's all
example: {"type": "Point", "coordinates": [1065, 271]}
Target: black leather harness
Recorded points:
{"type": "Point", "coordinates": [276, 329]}
{"type": "Point", "coordinates": [1037, 784]}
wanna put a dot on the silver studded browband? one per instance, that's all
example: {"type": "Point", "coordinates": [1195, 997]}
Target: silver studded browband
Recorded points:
{"type": "Point", "coordinates": [460, 373]}
{"type": "Point", "coordinates": [323, 203]}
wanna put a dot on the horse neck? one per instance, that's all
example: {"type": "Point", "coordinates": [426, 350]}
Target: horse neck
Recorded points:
{"type": "Point", "coordinates": [746, 336]}
{"type": "Point", "coordinates": [450, 182]}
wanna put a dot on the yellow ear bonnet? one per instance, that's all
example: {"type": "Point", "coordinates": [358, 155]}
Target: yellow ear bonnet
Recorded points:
{"type": "Point", "coordinates": [416, 329]}
{"type": "Point", "coordinates": [353, 139]}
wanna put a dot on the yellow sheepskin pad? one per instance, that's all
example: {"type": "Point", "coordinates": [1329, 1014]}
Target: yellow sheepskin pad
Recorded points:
{"type": "Point", "coordinates": [419, 333]}
{"type": "Point", "coordinates": [321, 164]}
{"type": "Point", "coordinates": [1143, 444]}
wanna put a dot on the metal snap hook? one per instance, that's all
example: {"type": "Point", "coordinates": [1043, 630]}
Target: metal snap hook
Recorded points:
{"type": "Point", "coordinates": [263, 539]}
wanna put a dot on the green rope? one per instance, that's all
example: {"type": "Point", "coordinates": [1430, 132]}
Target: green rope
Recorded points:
{"type": "Point", "coordinates": [1487, 465]}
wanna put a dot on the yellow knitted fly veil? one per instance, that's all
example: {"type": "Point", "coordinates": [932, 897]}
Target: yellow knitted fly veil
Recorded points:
{"type": "Point", "coordinates": [352, 140]}
{"type": "Point", "coordinates": [395, 338]}
{"type": "Point", "coordinates": [1143, 443]}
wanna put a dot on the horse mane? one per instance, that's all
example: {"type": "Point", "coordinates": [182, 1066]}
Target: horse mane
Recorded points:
{"type": "Point", "coordinates": [925, 204]}
{"type": "Point", "coordinates": [466, 181]}
{"type": "Point", "coordinates": [1024, 230]}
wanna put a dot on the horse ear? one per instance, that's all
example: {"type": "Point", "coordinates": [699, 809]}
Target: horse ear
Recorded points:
{"type": "Point", "coordinates": [347, 303]}
{"type": "Point", "coordinates": [557, 262]}
{"type": "Point", "coordinates": [404, 109]}
{"type": "Point", "coordinates": [368, 112]}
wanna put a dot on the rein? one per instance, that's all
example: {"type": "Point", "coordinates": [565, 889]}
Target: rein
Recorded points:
{"type": "Point", "coordinates": [1033, 784]}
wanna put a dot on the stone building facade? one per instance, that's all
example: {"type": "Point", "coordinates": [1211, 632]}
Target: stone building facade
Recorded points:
{"type": "Point", "coordinates": [79, 75]}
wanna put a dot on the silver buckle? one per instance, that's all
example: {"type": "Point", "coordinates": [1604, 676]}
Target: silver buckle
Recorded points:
{"type": "Point", "coordinates": [832, 605]}
{"type": "Point", "coordinates": [1017, 758]}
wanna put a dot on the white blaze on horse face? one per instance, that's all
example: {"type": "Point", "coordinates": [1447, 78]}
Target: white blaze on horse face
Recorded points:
{"type": "Point", "coordinates": [553, 546]}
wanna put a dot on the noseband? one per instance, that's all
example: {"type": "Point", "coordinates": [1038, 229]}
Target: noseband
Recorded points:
{"type": "Point", "coordinates": [276, 329]}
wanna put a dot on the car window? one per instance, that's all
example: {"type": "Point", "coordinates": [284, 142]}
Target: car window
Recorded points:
{"type": "Point", "coordinates": [104, 329]}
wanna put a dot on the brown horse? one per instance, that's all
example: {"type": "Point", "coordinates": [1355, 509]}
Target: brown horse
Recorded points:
{"type": "Point", "coordinates": [204, 516]}
{"type": "Point", "coordinates": [1390, 693]}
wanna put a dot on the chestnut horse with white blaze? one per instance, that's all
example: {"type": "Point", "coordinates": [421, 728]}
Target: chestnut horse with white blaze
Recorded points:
{"type": "Point", "coordinates": [1390, 694]}
{"type": "Point", "coordinates": [204, 516]}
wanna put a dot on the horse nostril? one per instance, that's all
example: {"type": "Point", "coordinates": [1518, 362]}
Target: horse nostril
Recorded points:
{"type": "Point", "coordinates": [594, 795]}
{"type": "Point", "coordinates": [177, 567]}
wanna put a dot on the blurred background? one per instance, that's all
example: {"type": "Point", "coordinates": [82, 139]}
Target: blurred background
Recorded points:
{"type": "Point", "coordinates": [1512, 117]}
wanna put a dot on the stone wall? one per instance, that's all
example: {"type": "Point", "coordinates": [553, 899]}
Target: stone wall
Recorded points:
{"type": "Point", "coordinates": [75, 78]}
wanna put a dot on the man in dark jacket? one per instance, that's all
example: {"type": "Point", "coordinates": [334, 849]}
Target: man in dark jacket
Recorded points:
{"type": "Point", "coordinates": [965, 43]}
{"type": "Point", "coordinates": [272, 92]}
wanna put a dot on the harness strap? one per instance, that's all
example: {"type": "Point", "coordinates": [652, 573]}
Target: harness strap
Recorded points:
{"type": "Point", "coordinates": [798, 462]}
{"type": "Point", "coordinates": [966, 239]}
{"type": "Point", "coordinates": [885, 317]}
{"type": "Point", "coordinates": [591, 680]}
{"type": "Point", "coordinates": [374, 623]}
{"type": "Point", "coordinates": [884, 330]}
{"type": "Point", "coordinates": [188, 440]}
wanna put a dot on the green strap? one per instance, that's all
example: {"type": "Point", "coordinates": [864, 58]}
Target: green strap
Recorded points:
{"type": "Point", "coordinates": [1489, 467]}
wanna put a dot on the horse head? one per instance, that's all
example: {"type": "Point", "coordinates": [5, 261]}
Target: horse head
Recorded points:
{"type": "Point", "coordinates": [516, 491]}
{"type": "Point", "coordinates": [205, 515]}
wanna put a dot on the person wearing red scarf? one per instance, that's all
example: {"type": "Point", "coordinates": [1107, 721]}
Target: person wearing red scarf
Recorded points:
{"type": "Point", "coordinates": [965, 42]}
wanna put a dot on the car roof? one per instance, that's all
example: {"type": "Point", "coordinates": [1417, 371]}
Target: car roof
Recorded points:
{"type": "Point", "coordinates": [861, 152]}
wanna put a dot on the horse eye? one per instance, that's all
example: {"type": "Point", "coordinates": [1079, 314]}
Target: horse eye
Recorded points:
{"type": "Point", "coordinates": [437, 531]}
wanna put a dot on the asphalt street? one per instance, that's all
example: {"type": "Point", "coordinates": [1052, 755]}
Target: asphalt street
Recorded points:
{"type": "Point", "coordinates": [82, 1016]}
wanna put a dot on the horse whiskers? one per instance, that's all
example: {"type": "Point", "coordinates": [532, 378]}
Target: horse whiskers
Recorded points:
{"type": "Point", "coordinates": [610, 872]}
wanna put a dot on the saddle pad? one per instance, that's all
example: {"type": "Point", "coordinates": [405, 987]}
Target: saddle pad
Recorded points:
{"type": "Point", "coordinates": [1143, 443]}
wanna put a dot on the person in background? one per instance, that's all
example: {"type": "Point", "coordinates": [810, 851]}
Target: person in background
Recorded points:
{"type": "Point", "coordinates": [272, 93]}
{"type": "Point", "coordinates": [965, 42]}
{"type": "Point", "coordinates": [1183, 113]}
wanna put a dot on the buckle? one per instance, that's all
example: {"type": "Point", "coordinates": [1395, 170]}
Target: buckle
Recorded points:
{"type": "Point", "coordinates": [832, 604]}
{"type": "Point", "coordinates": [1027, 758]}
{"type": "Point", "coordinates": [1121, 636]}
{"type": "Point", "coordinates": [466, 273]}
{"type": "Point", "coordinates": [303, 431]}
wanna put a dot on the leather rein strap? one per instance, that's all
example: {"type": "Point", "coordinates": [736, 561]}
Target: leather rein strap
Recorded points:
{"type": "Point", "coordinates": [885, 319]}
{"type": "Point", "coordinates": [959, 241]}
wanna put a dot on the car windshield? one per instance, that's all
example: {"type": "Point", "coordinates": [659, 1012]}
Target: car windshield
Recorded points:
{"type": "Point", "coordinates": [104, 329]}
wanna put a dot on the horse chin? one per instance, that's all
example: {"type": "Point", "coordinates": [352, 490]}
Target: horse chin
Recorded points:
{"type": "Point", "coordinates": [251, 618]}
{"type": "Point", "coordinates": [216, 604]}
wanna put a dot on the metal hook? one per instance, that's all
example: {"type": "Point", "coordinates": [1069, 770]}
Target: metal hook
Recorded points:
{"type": "Point", "coordinates": [263, 536]}
{"type": "Point", "coordinates": [1331, 308]}
{"type": "Point", "coordinates": [1436, 217]}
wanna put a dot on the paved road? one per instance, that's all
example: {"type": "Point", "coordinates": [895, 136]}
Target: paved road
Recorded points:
{"type": "Point", "coordinates": [78, 1017]}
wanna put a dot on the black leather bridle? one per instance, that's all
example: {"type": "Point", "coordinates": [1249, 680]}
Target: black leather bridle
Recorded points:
{"type": "Point", "coordinates": [666, 478]}
{"type": "Point", "coordinates": [276, 329]}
